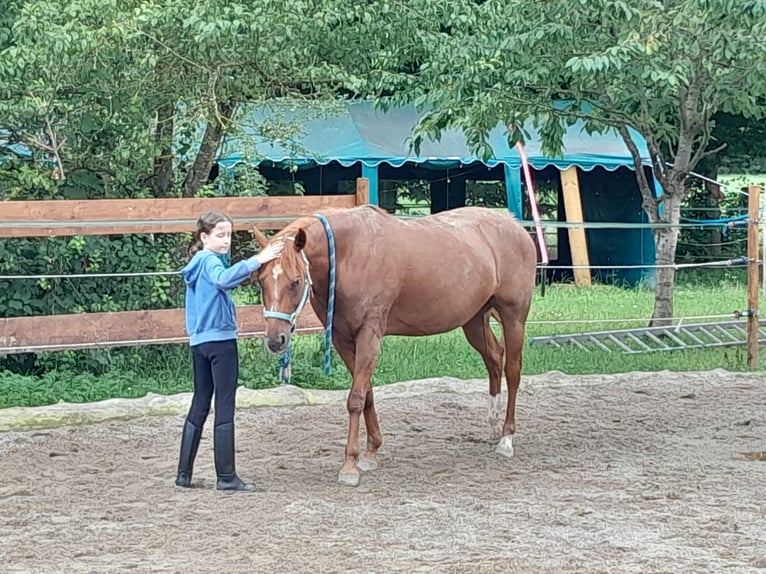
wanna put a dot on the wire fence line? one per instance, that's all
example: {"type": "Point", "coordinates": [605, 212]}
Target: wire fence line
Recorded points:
{"type": "Point", "coordinates": [92, 275]}
{"type": "Point", "coordinates": [133, 342]}
{"type": "Point", "coordinates": [736, 262]}
{"type": "Point", "coordinates": [526, 223]}
{"type": "Point", "coordinates": [45, 224]}
{"type": "Point", "coordinates": [90, 223]}
{"type": "Point", "coordinates": [678, 321]}
{"type": "Point", "coordinates": [554, 224]}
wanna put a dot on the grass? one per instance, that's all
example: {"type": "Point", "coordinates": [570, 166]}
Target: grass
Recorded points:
{"type": "Point", "coordinates": [743, 180]}
{"type": "Point", "coordinates": [166, 370]}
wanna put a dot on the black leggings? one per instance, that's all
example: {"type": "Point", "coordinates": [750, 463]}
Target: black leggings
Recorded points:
{"type": "Point", "coordinates": [216, 368]}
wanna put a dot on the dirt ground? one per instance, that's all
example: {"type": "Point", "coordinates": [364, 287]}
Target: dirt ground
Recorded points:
{"type": "Point", "coordinates": [643, 472]}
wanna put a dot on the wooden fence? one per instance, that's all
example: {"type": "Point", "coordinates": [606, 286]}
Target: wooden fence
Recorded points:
{"type": "Point", "coordinates": [120, 216]}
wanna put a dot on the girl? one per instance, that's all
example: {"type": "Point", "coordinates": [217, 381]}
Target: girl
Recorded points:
{"type": "Point", "coordinates": [211, 323]}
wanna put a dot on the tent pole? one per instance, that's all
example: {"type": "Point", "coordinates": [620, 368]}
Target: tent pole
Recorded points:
{"type": "Point", "coordinates": [371, 174]}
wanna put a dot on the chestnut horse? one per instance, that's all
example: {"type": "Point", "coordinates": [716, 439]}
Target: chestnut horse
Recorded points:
{"type": "Point", "coordinates": [405, 277]}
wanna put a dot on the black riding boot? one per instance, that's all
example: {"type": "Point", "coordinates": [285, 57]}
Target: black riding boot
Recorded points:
{"type": "Point", "coordinates": [189, 445]}
{"type": "Point", "coordinates": [224, 459]}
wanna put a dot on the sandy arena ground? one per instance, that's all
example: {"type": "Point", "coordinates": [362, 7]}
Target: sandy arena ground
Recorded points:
{"type": "Point", "coordinates": [636, 473]}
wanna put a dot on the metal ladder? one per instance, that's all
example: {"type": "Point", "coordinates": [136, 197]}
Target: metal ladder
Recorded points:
{"type": "Point", "coordinates": [652, 339]}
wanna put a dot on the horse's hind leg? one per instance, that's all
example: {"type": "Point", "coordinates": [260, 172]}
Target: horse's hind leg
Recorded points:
{"type": "Point", "coordinates": [513, 332]}
{"type": "Point", "coordinates": [369, 461]}
{"type": "Point", "coordinates": [481, 338]}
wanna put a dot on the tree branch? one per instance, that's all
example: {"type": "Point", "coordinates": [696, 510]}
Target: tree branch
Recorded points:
{"type": "Point", "coordinates": [650, 202]}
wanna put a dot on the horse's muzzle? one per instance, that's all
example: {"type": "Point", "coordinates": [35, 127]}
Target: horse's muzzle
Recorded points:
{"type": "Point", "coordinates": [277, 344]}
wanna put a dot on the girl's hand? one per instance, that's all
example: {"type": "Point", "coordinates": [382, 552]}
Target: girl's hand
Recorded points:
{"type": "Point", "coordinates": [270, 252]}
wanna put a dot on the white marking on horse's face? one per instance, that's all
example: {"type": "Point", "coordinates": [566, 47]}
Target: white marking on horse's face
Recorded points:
{"type": "Point", "coordinates": [275, 273]}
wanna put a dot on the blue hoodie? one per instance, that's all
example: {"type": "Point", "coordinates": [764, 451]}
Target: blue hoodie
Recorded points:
{"type": "Point", "coordinates": [210, 312]}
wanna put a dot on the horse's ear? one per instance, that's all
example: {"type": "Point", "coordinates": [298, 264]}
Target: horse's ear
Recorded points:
{"type": "Point", "coordinates": [300, 239]}
{"type": "Point", "coordinates": [262, 240]}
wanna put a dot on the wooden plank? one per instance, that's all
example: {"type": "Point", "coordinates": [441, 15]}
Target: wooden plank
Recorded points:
{"type": "Point", "coordinates": [117, 329]}
{"type": "Point", "coordinates": [116, 216]}
{"type": "Point", "coordinates": [573, 208]}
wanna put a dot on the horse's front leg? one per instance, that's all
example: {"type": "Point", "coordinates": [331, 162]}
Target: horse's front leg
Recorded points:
{"type": "Point", "coordinates": [360, 400]}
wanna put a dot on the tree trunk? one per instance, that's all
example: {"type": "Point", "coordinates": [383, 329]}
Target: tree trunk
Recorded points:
{"type": "Point", "coordinates": [665, 242]}
{"type": "Point", "coordinates": [713, 200]}
{"type": "Point", "coordinates": [199, 173]}
{"type": "Point", "coordinates": [161, 180]}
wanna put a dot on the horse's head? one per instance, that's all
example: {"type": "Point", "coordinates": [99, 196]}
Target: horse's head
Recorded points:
{"type": "Point", "coordinates": [285, 288]}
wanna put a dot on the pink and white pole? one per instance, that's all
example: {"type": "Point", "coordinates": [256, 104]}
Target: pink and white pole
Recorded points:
{"type": "Point", "coordinates": [533, 203]}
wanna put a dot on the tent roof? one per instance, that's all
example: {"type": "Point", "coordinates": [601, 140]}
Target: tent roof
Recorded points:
{"type": "Point", "coordinates": [18, 149]}
{"type": "Point", "coordinates": [360, 133]}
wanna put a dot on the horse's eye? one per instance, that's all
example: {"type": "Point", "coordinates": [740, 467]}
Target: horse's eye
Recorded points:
{"type": "Point", "coordinates": [294, 285]}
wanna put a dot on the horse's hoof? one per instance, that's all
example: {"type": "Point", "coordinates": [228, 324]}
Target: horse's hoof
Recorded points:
{"type": "Point", "coordinates": [505, 446]}
{"type": "Point", "coordinates": [367, 464]}
{"type": "Point", "coordinates": [349, 478]}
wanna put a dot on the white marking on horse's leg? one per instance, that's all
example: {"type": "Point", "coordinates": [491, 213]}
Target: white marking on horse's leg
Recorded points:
{"type": "Point", "coordinates": [349, 478]}
{"type": "Point", "coordinates": [495, 416]}
{"type": "Point", "coordinates": [505, 446]}
{"type": "Point", "coordinates": [367, 464]}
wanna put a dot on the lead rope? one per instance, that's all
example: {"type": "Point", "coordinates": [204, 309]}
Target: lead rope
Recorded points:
{"type": "Point", "coordinates": [330, 296]}
{"type": "Point", "coordinates": [285, 364]}
{"type": "Point", "coordinates": [285, 368]}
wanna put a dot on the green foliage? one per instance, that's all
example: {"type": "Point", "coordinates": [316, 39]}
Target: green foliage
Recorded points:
{"type": "Point", "coordinates": [712, 242]}
{"type": "Point", "coordinates": [661, 68]}
{"type": "Point", "coordinates": [745, 141]}
{"type": "Point", "coordinates": [113, 87]}
{"type": "Point", "coordinates": [103, 93]}
{"type": "Point", "coordinates": [89, 254]}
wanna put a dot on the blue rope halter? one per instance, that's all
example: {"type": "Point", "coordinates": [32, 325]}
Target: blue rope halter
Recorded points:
{"type": "Point", "coordinates": [285, 369]}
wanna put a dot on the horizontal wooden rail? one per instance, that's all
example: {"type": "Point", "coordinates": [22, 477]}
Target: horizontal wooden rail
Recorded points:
{"type": "Point", "coordinates": [120, 329]}
{"type": "Point", "coordinates": [116, 216]}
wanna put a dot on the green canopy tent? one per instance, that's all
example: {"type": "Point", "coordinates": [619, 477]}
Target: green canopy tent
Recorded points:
{"type": "Point", "coordinates": [356, 139]}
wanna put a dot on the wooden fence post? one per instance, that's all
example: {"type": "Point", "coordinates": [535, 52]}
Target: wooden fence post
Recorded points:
{"type": "Point", "coordinates": [573, 207]}
{"type": "Point", "coordinates": [362, 191]}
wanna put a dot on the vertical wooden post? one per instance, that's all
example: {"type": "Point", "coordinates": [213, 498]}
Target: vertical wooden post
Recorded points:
{"type": "Point", "coordinates": [362, 191]}
{"type": "Point", "coordinates": [753, 245]}
{"type": "Point", "coordinates": [573, 210]}
{"type": "Point", "coordinates": [763, 248]}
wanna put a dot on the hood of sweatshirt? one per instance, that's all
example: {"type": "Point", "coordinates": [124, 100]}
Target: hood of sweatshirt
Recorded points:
{"type": "Point", "coordinates": [192, 270]}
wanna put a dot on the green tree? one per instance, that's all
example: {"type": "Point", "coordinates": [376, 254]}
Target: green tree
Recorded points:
{"type": "Point", "coordinates": [131, 98]}
{"type": "Point", "coordinates": [663, 68]}
{"type": "Point", "coordinates": [141, 93]}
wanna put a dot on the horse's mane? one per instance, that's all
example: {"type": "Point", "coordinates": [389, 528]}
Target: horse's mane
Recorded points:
{"type": "Point", "coordinates": [292, 228]}
{"type": "Point", "coordinates": [290, 260]}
